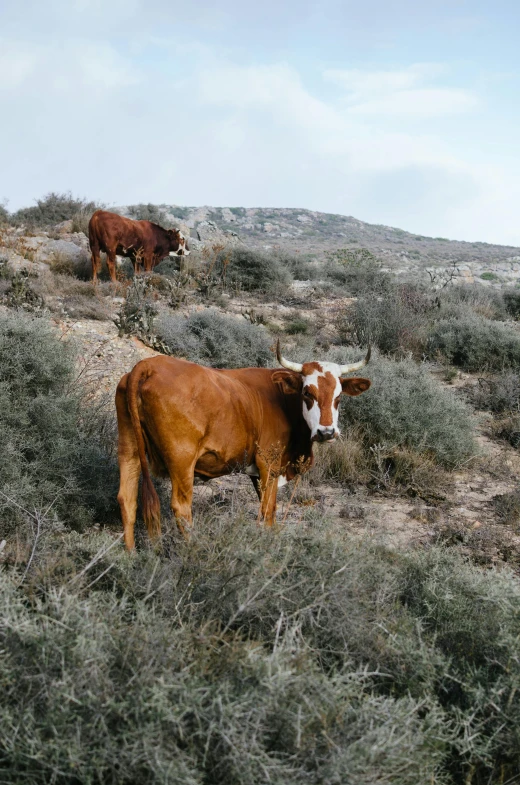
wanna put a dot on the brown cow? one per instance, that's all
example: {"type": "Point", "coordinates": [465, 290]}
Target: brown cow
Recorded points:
{"type": "Point", "coordinates": [138, 240]}
{"type": "Point", "coordinates": [195, 421]}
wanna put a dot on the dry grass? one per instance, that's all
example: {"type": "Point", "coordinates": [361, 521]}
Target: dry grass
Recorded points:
{"type": "Point", "coordinates": [80, 299]}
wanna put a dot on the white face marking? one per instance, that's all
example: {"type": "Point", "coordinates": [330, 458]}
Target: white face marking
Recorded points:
{"type": "Point", "coordinates": [282, 481]}
{"type": "Point", "coordinates": [181, 248]}
{"type": "Point", "coordinates": [312, 416]}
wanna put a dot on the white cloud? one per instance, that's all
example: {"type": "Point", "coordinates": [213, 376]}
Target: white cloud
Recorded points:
{"type": "Point", "coordinates": [333, 132]}
{"type": "Point", "coordinates": [401, 92]}
{"type": "Point", "coordinates": [276, 89]}
{"type": "Point", "coordinates": [16, 63]}
{"type": "Point", "coordinates": [425, 102]}
{"type": "Point", "coordinates": [359, 82]}
{"type": "Point", "coordinates": [101, 65]}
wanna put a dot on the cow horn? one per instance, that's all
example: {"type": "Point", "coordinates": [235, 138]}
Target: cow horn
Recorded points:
{"type": "Point", "coordinates": [355, 366]}
{"type": "Point", "coordinates": [287, 363]}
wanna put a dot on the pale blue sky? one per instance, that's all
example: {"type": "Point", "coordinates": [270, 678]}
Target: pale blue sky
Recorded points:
{"type": "Point", "coordinates": [400, 113]}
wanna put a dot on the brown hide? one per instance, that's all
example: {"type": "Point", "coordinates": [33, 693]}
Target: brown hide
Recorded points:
{"type": "Point", "coordinates": [143, 242]}
{"type": "Point", "coordinates": [192, 420]}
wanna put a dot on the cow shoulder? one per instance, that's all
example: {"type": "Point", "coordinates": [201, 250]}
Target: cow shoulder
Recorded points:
{"type": "Point", "coordinates": [289, 382]}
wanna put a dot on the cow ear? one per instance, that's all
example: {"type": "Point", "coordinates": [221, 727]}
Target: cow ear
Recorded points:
{"type": "Point", "coordinates": [289, 382]}
{"type": "Point", "coordinates": [355, 386]}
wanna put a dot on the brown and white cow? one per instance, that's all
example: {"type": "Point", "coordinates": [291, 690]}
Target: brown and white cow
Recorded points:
{"type": "Point", "coordinates": [141, 241]}
{"type": "Point", "coordinates": [187, 420]}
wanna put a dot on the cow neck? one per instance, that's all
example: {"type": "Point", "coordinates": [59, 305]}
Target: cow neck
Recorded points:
{"type": "Point", "coordinates": [300, 445]}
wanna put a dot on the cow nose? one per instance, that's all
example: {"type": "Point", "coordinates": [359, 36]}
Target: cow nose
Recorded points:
{"type": "Point", "coordinates": [326, 434]}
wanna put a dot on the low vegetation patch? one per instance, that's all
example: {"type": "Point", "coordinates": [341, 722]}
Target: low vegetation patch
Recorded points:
{"type": "Point", "coordinates": [507, 507]}
{"type": "Point", "coordinates": [407, 408]}
{"type": "Point", "coordinates": [52, 209]}
{"type": "Point", "coordinates": [56, 469]}
{"type": "Point", "coordinates": [475, 344]}
{"type": "Point", "coordinates": [300, 654]}
{"type": "Point", "coordinates": [466, 299]}
{"type": "Point", "coordinates": [497, 394]}
{"type": "Point", "coordinates": [149, 212]}
{"type": "Point", "coordinates": [243, 269]}
{"type": "Point", "coordinates": [358, 271]}
{"type": "Point", "coordinates": [210, 338]}
{"type": "Point", "coordinates": [511, 299]}
{"type": "Point", "coordinates": [397, 322]}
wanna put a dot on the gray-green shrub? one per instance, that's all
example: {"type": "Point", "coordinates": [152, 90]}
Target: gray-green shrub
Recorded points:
{"type": "Point", "coordinates": [138, 311]}
{"type": "Point", "coordinates": [498, 394]}
{"type": "Point", "coordinates": [302, 657]}
{"type": "Point", "coordinates": [358, 270]}
{"type": "Point", "coordinates": [406, 407]}
{"type": "Point", "coordinates": [251, 271]}
{"type": "Point", "coordinates": [475, 344]}
{"type": "Point", "coordinates": [302, 267]}
{"type": "Point", "coordinates": [210, 338]}
{"type": "Point", "coordinates": [456, 301]}
{"type": "Point", "coordinates": [51, 209]}
{"type": "Point", "coordinates": [52, 458]}
{"type": "Point", "coordinates": [511, 298]}
{"type": "Point", "coordinates": [148, 212]}
{"type": "Point", "coordinates": [397, 322]}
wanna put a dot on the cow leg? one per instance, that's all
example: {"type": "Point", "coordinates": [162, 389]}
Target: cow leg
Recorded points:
{"type": "Point", "coordinates": [267, 487]}
{"type": "Point", "coordinates": [96, 262]}
{"type": "Point", "coordinates": [129, 470]}
{"type": "Point", "coordinates": [111, 264]}
{"type": "Point", "coordinates": [148, 262]}
{"type": "Point", "coordinates": [182, 495]}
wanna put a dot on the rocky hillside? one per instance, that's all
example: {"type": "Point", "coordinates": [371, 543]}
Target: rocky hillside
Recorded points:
{"type": "Point", "coordinates": [310, 232]}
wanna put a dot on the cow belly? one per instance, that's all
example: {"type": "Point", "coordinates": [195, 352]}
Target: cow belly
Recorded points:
{"type": "Point", "coordinates": [212, 464]}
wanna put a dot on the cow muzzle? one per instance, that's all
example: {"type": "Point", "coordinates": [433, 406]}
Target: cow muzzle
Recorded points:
{"type": "Point", "coordinates": [325, 435]}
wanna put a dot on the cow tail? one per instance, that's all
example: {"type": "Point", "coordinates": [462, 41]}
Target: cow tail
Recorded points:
{"type": "Point", "coordinates": [149, 498]}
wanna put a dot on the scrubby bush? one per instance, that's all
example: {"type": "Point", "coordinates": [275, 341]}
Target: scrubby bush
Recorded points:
{"type": "Point", "coordinates": [210, 338]}
{"type": "Point", "coordinates": [81, 218]}
{"type": "Point", "coordinates": [302, 267]}
{"type": "Point", "coordinates": [358, 270]}
{"type": "Point", "coordinates": [507, 508]}
{"type": "Point", "coordinates": [251, 271]}
{"type": "Point", "coordinates": [300, 657]}
{"type": "Point", "coordinates": [508, 428]}
{"type": "Point", "coordinates": [397, 323]}
{"type": "Point", "coordinates": [179, 213]}
{"type": "Point", "coordinates": [498, 394]}
{"type": "Point", "coordinates": [466, 299]}
{"type": "Point", "coordinates": [50, 468]}
{"type": "Point", "coordinates": [297, 325]}
{"type": "Point", "coordinates": [475, 344]}
{"type": "Point", "coordinates": [19, 291]}
{"type": "Point", "coordinates": [53, 208]}
{"type": "Point", "coordinates": [511, 299]}
{"type": "Point", "coordinates": [148, 212]}
{"type": "Point", "coordinates": [138, 311]}
{"type": "Point", "coordinates": [168, 267]}
{"type": "Point", "coordinates": [407, 408]}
